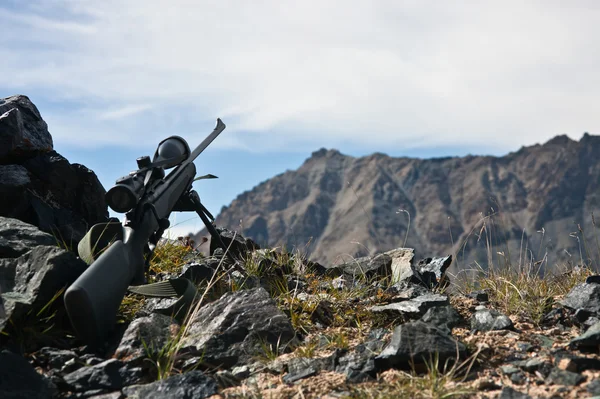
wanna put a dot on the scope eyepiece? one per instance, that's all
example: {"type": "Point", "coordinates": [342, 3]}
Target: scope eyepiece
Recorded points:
{"type": "Point", "coordinates": [172, 151]}
{"type": "Point", "coordinates": [125, 194]}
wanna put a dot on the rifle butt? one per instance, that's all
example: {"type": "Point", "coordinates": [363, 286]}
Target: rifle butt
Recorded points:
{"type": "Point", "coordinates": [93, 300]}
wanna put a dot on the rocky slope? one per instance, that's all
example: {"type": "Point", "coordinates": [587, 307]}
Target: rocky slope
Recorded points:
{"type": "Point", "coordinates": [336, 206]}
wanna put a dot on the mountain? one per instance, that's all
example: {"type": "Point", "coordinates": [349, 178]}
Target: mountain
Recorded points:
{"type": "Point", "coordinates": [522, 206]}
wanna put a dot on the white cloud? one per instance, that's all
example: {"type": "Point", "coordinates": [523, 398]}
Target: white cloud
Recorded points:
{"type": "Point", "coordinates": [322, 73]}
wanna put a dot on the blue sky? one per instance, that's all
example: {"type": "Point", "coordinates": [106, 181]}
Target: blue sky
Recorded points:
{"type": "Point", "coordinates": [415, 78]}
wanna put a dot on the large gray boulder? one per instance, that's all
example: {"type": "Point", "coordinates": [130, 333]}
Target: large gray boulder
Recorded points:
{"type": "Point", "coordinates": [237, 328]}
{"type": "Point", "coordinates": [38, 185]}
{"type": "Point", "coordinates": [22, 129]}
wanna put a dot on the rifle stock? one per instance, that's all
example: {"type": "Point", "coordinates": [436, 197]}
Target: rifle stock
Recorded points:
{"type": "Point", "coordinates": [93, 300]}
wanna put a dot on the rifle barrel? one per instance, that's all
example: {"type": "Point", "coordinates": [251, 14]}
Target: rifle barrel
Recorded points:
{"type": "Point", "coordinates": [206, 142]}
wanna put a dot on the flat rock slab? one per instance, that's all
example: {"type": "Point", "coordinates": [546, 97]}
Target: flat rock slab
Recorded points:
{"type": "Point", "coordinates": [413, 307]}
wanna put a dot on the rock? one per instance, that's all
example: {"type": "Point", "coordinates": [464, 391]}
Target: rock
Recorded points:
{"type": "Point", "coordinates": [11, 131]}
{"type": "Point", "coordinates": [30, 282]}
{"type": "Point", "coordinates": [38, 185]}
{"type": "Point", "coordinates": [358, 366]}
{"type": "Point", "coordinates": [594, 279]}
{"type": "Point", "coordinates": [402, 269]}
{"type": "Point", "coordinates": [419, 342]}
{"type": "Point", "coordinates": [294, 377]}
{"type": "Point", "coordinates": [367, 267]}
{"type": "Point", "coordinates": [55, 358]}
{"type": "Point", "coordinates": [199, 272]}
{"type": "Point", "coordinates": [13, 176]}
{"type": "Point", "coordinates": [432, 270]}
{"type": "Point", "coordinates": [112, 395]}
{"type": "Point", "coordinates": [17, 237]}
{"type": "Point", "coordinates": [589, 340]}
{"type": "Point", "coordinates": [413, 307]}
{"type": "Point", "coordinates": [443, 317]}
{"type": "Point", "coordinates": [107, 376]}
{"type": "Point", "coordinates": [489, 320]}
{"type": "Point", "coordinates": [479, 296]}
{"type": "Point", "coordinates": [564, 377]}
{"type": "Point", "coordinates": [511, 393]}
{"type": "Point", "coordinates": [18, 379]}
{"type": "Point", "coordinates": [234, 329]}
{"type": "Point", "coordinates": [152, 331]}
{"type": "Point", "coordinates": [190, 385]}
{"type": "Point", "coordinates": [238, 245]}
{"type": "Point", "coordinates": [22, 129]}
{"type": "Point", "coordinates": [593, 387]}
{"type": "Point", "coordinates": [403, 291]}
{"type": "Point", "coordinates": [584, 296]}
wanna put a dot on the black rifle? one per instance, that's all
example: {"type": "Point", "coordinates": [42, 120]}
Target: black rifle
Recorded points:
{"type": "Point", "coordinates": [119, 254]}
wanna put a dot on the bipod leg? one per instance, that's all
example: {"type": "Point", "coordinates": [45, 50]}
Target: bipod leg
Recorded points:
{"type": "Point", "coordinates": [202, 213]}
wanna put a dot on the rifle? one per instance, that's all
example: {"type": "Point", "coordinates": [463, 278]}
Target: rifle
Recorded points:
{"type": "Point", "coordinates": [118, 255]}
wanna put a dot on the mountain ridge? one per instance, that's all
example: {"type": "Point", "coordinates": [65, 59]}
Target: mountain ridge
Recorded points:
{"type": "Point", "coordinates": [337, 206]}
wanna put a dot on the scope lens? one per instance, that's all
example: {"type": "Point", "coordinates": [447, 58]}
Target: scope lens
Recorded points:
{"type": "Point", "coordinates": [120, 198]}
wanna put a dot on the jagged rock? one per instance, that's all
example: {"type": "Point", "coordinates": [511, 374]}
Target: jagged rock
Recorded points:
{"type": "Point", "coordinates": [564, 377]}
{"type": "Point", "coordinates": [17, 237]}
{"type": "Point", "coordinates": [490, 319]}
{"type": "Point", "coordinates": [418, 341]}
{"type": "Point", "coordinates": [55, 358]}
{"type": "Point", "coordinates": [402, 268]}
{"type": "Point", "coordinates": [589, 340]}
{"type": "Point", "coordinates": [112, 395]}
{"type": "Point", "coordinates": [238, 245]}
{"type": "Point", "coordinates": [443, 317]}
{"type": "Point", "coordinates": [367, 267]}
{"type": "Point", "coordinates": [432, 270]}
{"type": "Point", "coordinates": [570, 361]}
{"type": "Point", "coordinates": [479, 296]}
{"type": "Point", "coordinates": [13, 176]}
{"type": "Point", "coordinates": [511, 393]}
{"type": "Point", "coordinates": [18, 379]}
{"type": "Point", "coordinates": [197, 272]}
{"type": "Point", "coordinates": [31, 281]}
{"type": "Point", "coordinates": [594, 387]}
{"type": "Point", "coordinates": [291, 378]}
{"type": "Point", "coordinates": [232, 329]}
{"type": "Point", "coordinates": [22, 129]}
{"type": "Point", "coordinates": [358, 366]}
{"type": "Point", "coordinates": [152, 332]}
{"type": "Point", "coordinates": [104, 377]}
{"type": "Point", "coordinates": [11, 131]}
{"type": "Point", "coordinates": [584, 296]}
{"type": "Point", "coordinates": [38, 185]}
{"type": "Point", "coordinates": [402, 291]}
{"type": "Point", "coordinates": [190, 385]}
{"type": "Point", "coordinates": [413, 307]}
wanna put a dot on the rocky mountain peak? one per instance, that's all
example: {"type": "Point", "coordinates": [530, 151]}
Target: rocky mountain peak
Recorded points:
{"type": "Point", "coordinates": [348, 206]}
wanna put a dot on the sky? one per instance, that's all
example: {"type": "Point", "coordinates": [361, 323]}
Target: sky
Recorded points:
{"type": "Point", "coordinates": [407, 78]}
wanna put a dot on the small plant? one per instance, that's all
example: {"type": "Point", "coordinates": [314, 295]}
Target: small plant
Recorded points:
{"type": "Point", "coordinates": [269, 352]}
{"type": "Point", "coordinates": [169, 257]}
{"type": "Point", "coordinates": [307, 350]}
{"type": "Point", "coordinates": [36, 326]}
